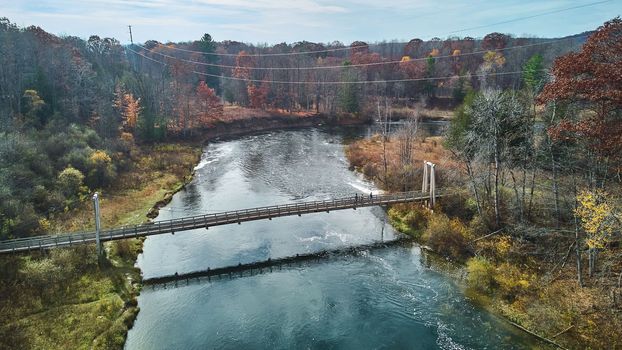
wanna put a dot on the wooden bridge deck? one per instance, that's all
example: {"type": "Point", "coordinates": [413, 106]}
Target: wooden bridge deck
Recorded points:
{"type": "Point", "coordinates": [208, 220]}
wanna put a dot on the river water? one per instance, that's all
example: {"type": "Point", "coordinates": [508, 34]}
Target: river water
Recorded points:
{"type": "Point", "coordinates": [382, 298]}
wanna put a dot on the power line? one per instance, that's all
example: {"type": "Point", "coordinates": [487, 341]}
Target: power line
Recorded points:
{"type": "Point", "coordinates": [336, 82]}
{"type": "Point", "coordinates": [272, 54]}
{"type": "Point", "coordinates": [367, 45]}
{"type": "Point", "coordinates": [531, 16]}
{"type": "Point", "coordinates": [364, 64]}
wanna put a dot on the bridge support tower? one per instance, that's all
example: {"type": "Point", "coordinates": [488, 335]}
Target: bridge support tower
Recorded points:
{"type": "Point", "coordinates": [100, 249]}
{"type": "Point", "coordinates": [429, 182]}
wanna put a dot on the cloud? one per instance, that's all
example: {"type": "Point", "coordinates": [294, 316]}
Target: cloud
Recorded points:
{"type": "Point", "coordinates": [298, 5]}
{"type": "Point", "coordinates": [273, 21]}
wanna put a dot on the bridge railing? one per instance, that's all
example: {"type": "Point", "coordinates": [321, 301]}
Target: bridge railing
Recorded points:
{"type": "Point", "coordinates": [207, 220]}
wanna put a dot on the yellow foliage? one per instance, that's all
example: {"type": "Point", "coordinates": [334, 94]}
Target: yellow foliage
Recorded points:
{"type": "Point", "coordinates": [129, 106]}
{"type": "Point", "coordinates": [99, 158]}
{"type": "Point", "coordinates": [127, 138]}
{"type": "Point", "coordinates": [44, 224]}
{"type": "Point", "coordinates": [503, 245]}
{"type": "Point", "coordinates": [481, 274]}
{"type": "Point", "coordinates": [405, 58]}
{"type": "Point", "coordinates": [494, 58]}
{"type": "Point", "coordinates": [456, 52]}
{"type": "Point", "coordinates": [132, 109]}
{"type": "Point", "coordinates": [447, 236]}
{"type": "Point", "coordinates": [434, 53]}
{"type": "Point", "coordinates": [511, 280]}
{"type": "Point", "coordinates": [459, 228]}
{"type": "Point", "coordinates": [597, 216]}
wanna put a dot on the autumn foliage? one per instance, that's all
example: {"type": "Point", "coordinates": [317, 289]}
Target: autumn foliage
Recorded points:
{"type": "Point", "coordinates": [258, 95]}
{"type": "Point", "coordinates": [129, 108]}
{"type": "Point", "coordinates": [592, 80]}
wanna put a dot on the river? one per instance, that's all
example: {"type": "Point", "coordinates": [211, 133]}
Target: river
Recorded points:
{"type": "Point", "coordinates": [382, 298]}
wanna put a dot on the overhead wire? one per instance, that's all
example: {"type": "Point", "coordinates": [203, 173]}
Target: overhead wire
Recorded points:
{"type": "Point", "coordinates": [364, 64]}
{"type": "Point", "coordinates": [532, 16]}
{"type": "Point", "coordinates": [368, 45]}
{"type": "Point", "coordinates": [336, 82]}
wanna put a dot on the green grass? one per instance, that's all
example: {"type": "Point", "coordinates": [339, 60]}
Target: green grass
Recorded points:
{"type": "Point", "coordinates": [409, 221]}
{"type": "Point", "coordinates": [62, 299]}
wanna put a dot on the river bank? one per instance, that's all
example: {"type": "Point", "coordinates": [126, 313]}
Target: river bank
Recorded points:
{"type": "Point", "coordinates": [238, 121]}
{"type": "Point", "coordinates": [371, 298]}
{"type": "Point", "coordinates": [517, 273]}
{"type": "Point", "coordinates": [61, 298]}
{"type": "Point", "coordinates": [97, 306]}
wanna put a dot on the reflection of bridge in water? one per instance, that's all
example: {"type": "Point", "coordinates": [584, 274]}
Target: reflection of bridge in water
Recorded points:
{"type": "Point", "coordinates": [210, 220]}
{"type": "Point", "coordinates": [264, 266]}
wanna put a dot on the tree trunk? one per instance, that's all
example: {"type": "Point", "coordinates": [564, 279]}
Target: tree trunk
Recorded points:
{"type": "Point", "coordinates": [533, 185]}
{"type": "Point", "coordinates": [517, 196]}
{"type": "Point", "coordinates": [475, 192]}
{"type": "Point", "coordinates": [497, 172]}
{"type": "Point", "coordinates": [576, 232]}
{"type": "Point", "coordinates": [555, 188]}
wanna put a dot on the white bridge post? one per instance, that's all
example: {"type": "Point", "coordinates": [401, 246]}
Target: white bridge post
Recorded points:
{"type": "Point", "coordinates": [424, 185]}
{"type": "Point", "coordinates": [429, 181]}
{"type": "Point", "coordinates": [100, 250]}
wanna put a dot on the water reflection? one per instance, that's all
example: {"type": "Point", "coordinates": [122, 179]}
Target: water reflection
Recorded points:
{"type": "Point", "coordinates": [372, 299]}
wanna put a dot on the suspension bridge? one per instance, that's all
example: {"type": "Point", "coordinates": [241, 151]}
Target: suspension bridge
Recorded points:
{"type": "Point", "coordinates": [428, 194]}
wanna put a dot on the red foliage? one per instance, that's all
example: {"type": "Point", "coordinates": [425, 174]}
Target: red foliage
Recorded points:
{"type": "Point", "coordinates": [495, 41]}
{"type": "Point", "coordinates": [209, 105]}
{"type": "Point", "coordinates": [258, 95]}
{"type": "Point", "coordinates": [592, 78]}
{"type": "Point", "coordinates": [243, 63]}
{"type": "Point", "coordinates": [413, 69]}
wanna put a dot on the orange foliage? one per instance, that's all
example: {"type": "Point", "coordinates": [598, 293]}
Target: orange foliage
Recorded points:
{"type": "Point", "coordinates": [413, 69]}
{"type": "Point", "coordinates": [209, 104]}
{"type": "Point", "coordinates": [258, 95]}
{"type": "Point", "coordinates": [129, 107]}
{"type": "Point", "coordinates": [243, 63]}
{"type": "Point", "coordinates": [593, 79]}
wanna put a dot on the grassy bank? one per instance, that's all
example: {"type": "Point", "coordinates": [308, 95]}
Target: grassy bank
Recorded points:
{"type": "Point", "coordinates": [61, 299]}
{"type": "Point", "coordinates": [524, 272]}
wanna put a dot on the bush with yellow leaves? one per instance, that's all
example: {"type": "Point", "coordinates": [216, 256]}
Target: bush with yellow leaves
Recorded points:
{"type": "Point", "coordinates": [448, 237]}
{"type": "Point", "coordinates": [481, 274]}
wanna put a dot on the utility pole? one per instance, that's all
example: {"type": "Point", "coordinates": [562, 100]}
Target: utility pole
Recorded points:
{"type": "Point", "coordinates": [100, 249]}
{"type": "Point", "coordinates": [131, 39]}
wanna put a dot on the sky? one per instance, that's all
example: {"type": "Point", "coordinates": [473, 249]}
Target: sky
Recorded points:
{"type": "Point", "coordinates": [275, 21]}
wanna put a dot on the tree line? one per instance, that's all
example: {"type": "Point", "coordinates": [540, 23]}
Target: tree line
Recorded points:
{"type": "Point", "coordinates": [284, 77]}
{"type": "Point", "coordinates": [72, 110]}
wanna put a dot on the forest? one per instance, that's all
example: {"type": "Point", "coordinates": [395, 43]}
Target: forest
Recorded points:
{"type": "Point", "coordinates": [535, 141]}
{"type": "Point", "coordinates": [71, 110]}
{"type": "Point", "coordinates": [535, 212]}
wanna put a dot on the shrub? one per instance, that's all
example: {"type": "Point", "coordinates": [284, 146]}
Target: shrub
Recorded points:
{"type": "Point", "coordinates": [481, 275]}
{"type": "Point", "coordinates": [495, 248]}
{"type": "Point", "coordinates": [78, 158]}
{"type": "Point", "coordinates": [101, 169]}
{"type": "Point", "coordinates": [40, 274]}
{"type": "Point", "coordinates": [128, 138]}
{"type": "Point", "coordinates": [408, 219]}
{"type": "Point", "coordinates": [456, 205]}
{"type": "Point", "coordinates": [447, 237]}
{"type": "Point", "coordinates": [26, 221]}
{"type": "Point", "coordinates": [370, 170]}
{"type": "Point", "coordinates": [511, 281]}
{"type": "Point", "coordinates": [124, 249]}
{"type": "Point", "coordinates": [70, 180]}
